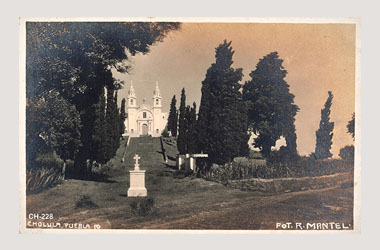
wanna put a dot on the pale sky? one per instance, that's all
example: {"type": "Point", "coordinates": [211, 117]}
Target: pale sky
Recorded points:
{"type": "Point", "coordinates": [318, 58]}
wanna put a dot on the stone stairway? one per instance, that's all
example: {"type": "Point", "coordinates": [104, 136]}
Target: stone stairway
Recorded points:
{"type": "Point", "coordinates": [149, 150]}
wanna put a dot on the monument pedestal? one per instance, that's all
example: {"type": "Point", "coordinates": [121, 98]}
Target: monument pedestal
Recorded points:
{"type": "Point", "coordinates": [137, 181]}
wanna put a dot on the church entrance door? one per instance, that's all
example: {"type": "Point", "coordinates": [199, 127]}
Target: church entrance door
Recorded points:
{"type": "Point", "coordinates": [144, 129]}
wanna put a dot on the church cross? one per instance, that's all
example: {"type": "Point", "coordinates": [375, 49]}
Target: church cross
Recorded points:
{"type": "Point", "coordinates": [136, 158]}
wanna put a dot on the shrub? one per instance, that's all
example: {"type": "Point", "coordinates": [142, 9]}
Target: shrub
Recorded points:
{"type": "Point", "coordinates": [85, 202]}
{"type": "Point", "coordinates": [142, 206]}
{"type": "Point", "coordinates": [43, 178]}
{"type": "Point", "coordinates": [184, 172]}
{"type": "Point", "coordinates": [101, 169]}
{"type": "Point", "coordinates": [255, 155]}
{"type": "Point", "coordinates": [347, 153]}
{"type": "Point", "coordinates": [240, 168]}
{"type": "Point", "coordinates": [48, 160]}
{"type": "Point", "coordinates": [46, 172]}
{"type": "Point", "coordinates": [278, 165]}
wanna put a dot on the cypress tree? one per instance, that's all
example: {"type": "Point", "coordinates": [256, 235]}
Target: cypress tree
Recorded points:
{"type": "Point", "coordinates": [351, 126]}
{"type": "Point", "coordinates": [291, 139]}
{"type": "Point", "coordinates": [116, 123]}
{"type": "Point", "coordinates": [99, 137]}
{"type": "Point", "coordinates": [222, 123]}
{"type": "Point", "coordinates": [271, 108]}
{"type": "Point", "coordinates": [122, 118]}
{"type": "Point", "coordinates": [181, 140]}
{"type": "Point", "coordinates": [192, 132]}
{"type": "Point", "coordinates": [173, 117]}
{"type": "Point", "coordinates": [325, 132]}
{"type": "Point", "coordinates": [112, 123]}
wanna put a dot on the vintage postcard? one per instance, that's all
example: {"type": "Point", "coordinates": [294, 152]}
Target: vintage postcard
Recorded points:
{"type": "Point", "coordinates": [139, 125]}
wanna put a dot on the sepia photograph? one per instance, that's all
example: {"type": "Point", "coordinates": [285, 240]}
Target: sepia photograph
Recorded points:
{"type": "Point", "coordinates": [189, 125]}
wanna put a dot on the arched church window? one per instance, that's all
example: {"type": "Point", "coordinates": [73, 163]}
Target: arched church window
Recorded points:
{"type": "Point", "coordinates": [157, 131]}
{"type": "Point", "coordinates": [156, 101]}
{"type": "Point", "coordinates": [144, 114]}
{"type": "Point", "coordinates": [131, 101]}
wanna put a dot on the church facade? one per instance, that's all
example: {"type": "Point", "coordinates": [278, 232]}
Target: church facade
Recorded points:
{"type": "Point", "coordinates": [146, 120]}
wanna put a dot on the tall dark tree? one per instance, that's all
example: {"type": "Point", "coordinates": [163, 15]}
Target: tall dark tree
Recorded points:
{"type": "Point", "coordinates": [123, 116]}
{"type": "Point", "coordinates": [113, 124]}
{"type": "Point", "coordinates": [99, 136]}
{"type": "Point", "coordinates": [191, 121]}
{"type": "Point", "coordinates": [291, 139]}
{"type": "Point", "coordinates": [222, 124]}
{"type": "Point", "coordinates": [181, 140]}
{"type": "Point", "coordinates": [325, 132]}
{"type": "Point", "coordinates": [117, 121]}
{"type": "Point", "coordinates": [271, 108]}
{"type": "Point", "coordinates": [351, 126]}
{"type": "Point", "coordinates": [173, 117]}
{"type": "Point", "coordinates": [189, 130]}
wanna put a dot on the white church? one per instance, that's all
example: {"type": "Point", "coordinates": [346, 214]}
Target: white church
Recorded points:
{"type": "Point", "coordinates": [144, 120]}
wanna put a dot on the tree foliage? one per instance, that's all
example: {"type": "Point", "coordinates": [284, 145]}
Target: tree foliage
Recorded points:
{"type": "Point", "coordinates": [347, 153]}
{"type": "Point", "coordinates": [191, 121]}
{"type": "Point", "coordinates": [351, 126]}
{"type": "Point", "coordinates": [75, 60]}
{"type": "Point", "coordinates": [113, 123]}
{"type": "Point", "coordinates": [189, 138]}
{"type": "Point", "coordinates": [222, 121]}
{"type": "Point", "coordinates": [270, 105]}
{"type": "Point", "coordinates": [68, 56]}
{"type": "Point", "coordinates": [99, 135]}
{"type": "Point", "coordinates": [181, 140]}
{"type": "Point", "coordinates": [53, 125]}
{"type": "Point", "coordinates": [173, 117]}
{"type": "Point", "coordinates": [325, 132]}
{"type": "Point", "coordinates": [123, 116]}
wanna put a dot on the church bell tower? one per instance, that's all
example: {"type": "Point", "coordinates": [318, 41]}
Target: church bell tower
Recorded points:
{"type": "Point", "coordinates": [130, 122]}
{"type": "Point", "coordinates": [157, 97]}
{"type": "Point", "coordinates": [157, 111]}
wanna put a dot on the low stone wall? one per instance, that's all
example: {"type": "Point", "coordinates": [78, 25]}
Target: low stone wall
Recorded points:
{"type": "Point", "coordinates": [284, 185]}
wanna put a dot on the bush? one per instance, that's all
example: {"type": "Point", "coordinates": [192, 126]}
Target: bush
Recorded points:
{"type": "Point", "coordinates": [142, 206]}
{"type": "Point", "coordinates": [184, 172]}
{"type": "Point", "coordinates": [255, 155]}
{"type": "Point", "coordinates": [278, 165]}
{"type": "Point", "coordinates": [347, 153]}
{"type": "Point", "coordinates": [240, 168]}
{"type": "Point", "coordinates": [43, 178]}
{"type": "Point", "coordinates": [101, 169]}
{"type": "Point", "coordinates": [46, 172]}
{"type": "Point", "coordinates": [85, 202]}
{"type": "Point", "coordinates": [48, 160]}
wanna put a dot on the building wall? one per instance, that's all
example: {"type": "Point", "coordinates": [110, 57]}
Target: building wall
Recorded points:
{"type": "Point", "coordinates": [155, 120]}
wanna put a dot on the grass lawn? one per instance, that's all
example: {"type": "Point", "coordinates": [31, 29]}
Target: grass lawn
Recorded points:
{"type": "Point", "coordinates": [188, 203]}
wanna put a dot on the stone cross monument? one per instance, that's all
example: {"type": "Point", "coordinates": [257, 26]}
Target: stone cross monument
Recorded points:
{"type": "Point", "coordinates": [137, 180]}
